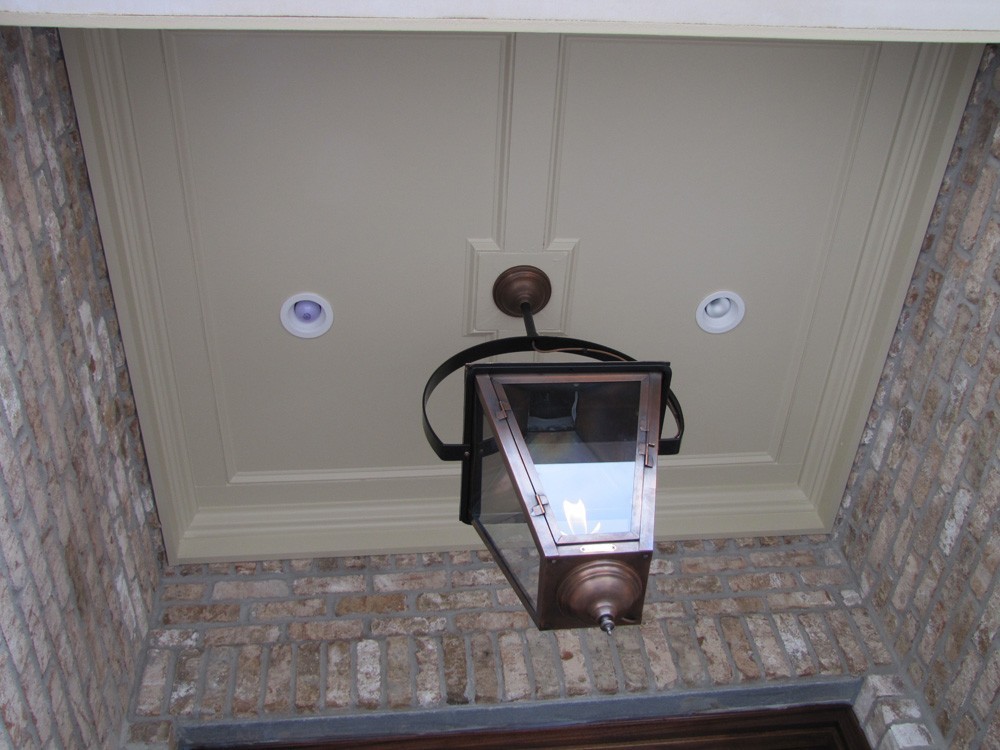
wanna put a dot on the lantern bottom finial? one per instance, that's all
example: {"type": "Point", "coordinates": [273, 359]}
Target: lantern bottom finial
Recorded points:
{"type": "Point", "coordinates": [602, 591]}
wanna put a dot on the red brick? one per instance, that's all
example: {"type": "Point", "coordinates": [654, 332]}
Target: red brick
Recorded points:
{"type": "Point", "coordinates": [183, 592]}
{"type": "Point", "coordinates": [278, 683]}
{"type": "Point", "coordinates": [368, 676]}
{"type": "Point", "coordinates": [823, 646]}
{"type": "Point", "coordinates": [200, 613]}
{"type": "Point", "coordinates": [799, 600]}
{"type": "Point", "coordinates": [338, 675]}
{"type": "Point", "coordinates": [661, 662]}
{"type": "Point", "coordinates": [728, 606]}
{"type": "Point", "coordinates": [713, 651]}
{"type": "Point", "coordinates": [454, 600]}
{"type": "Point", "coordinates": [186, 673]}
{"type": "Point", "coordinates": [762, 581]}
{"type": "Point", "coordinates": [653, 610]}
{"type": "Point", "coordinates": [383, 626]}
{"type": "Point", "coordinates": [427, 652]}
{"type": "Point", "coordinates": [795, 643]}
{"type": "Point", "coordinates": [628, 644]}
{"type": "Point", "coordinates": [740, 648]}
{"type": "Point", "coordinates": [784, 558]}
{"type": "Point", "coordinates": [456, 675]}
{"type": "Point", "coordinates": [213, 699]}
{"type": "Point", "coordinates": [484, 668]}
{"type": "Point", "coordinates": [574, 667]}
{"type": "Point", "coordinates": [544, 660]}
{"type": "Point", "coordinates": [687, 585]}
{"type": "Point", "coordinates": [771, 652]}
{"type": "Point", "coordinates": [372, 604]}
{"type": "Point", "coordinates": [307, 677]}
{"type": "Point", "coordinates": [247, 686]}
{"type": "Point", "coordinates": [240, 634]}
{"type": "Point", "coordinates": [507, 598]}
{"type": "Point", "coordinates": [869, 633]}
{"type": "Point", "coordinates": [840, 626]}
{"type": "Point", "coordinates": [398, 672]}
{"type": "Point", "coordinates": [700, 565]}
{"type": "Point", "coordinates": [685, 645]}
{"type": "Point", "coordinates": [600, 659]}
{"type": "Point", "coordinates": [249, 589]}
{"type": "Point", "coordinates": [152, 695]}
{"type": "Point", "coordinates": [288, 609]}
{"type": "Point", "coordinates": [313, 585]}
{"type": "Point", "coordinates": [413, 581]}
{"type": "Point", "coordinates": [486, 621]}
{"type": "Point", "coordinates": [482, 577]}
{"type": "Point", "coordinates": [513, 664]}
{"type": "Point", "coordinates": [325, 630]}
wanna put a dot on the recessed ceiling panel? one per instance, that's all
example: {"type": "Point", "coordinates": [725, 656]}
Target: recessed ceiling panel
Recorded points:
{"type": "Point", "coordinates": [722, 193]}
{"type": "Point", "coordinates": [236, 170]}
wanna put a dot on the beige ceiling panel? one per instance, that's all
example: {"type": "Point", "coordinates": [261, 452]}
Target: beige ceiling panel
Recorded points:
{"type": "Point", "coordinates": [233, 170]}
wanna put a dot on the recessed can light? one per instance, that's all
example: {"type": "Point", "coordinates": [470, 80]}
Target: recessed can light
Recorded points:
{"type": "Point", "coordinates": [720, 312]}
{"type": "Point", "coordinates": [306, 315]}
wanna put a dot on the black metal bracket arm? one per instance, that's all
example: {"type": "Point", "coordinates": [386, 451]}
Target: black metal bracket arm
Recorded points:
{"type": "Point", "coordinates": [532, 342]}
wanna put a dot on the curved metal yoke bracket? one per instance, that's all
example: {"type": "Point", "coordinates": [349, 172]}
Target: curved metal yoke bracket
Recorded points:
{"type": "Point", "coordinates": [540, 344]}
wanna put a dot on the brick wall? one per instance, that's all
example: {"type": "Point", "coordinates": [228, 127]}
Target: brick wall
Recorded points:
{"type": "Point", "coordinates": [920, 522]}
{"type": "Point", "coordinates": [79, 549]}
{"type": "Point", "coordinates": [266, 642]}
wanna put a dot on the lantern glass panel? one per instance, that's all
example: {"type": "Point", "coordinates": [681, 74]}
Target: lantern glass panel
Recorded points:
{"type": "Point", "coordinates": [502, 519]}
{"type": "Point", "coordinates": [581, 438]}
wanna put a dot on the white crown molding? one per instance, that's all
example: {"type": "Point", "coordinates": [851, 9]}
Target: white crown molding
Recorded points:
{"type": "Point", "coordinates": [97, 80]}
{"type": "Point", "coordinates": [913, 173]}
{"type": "Point", "coordinates": [889, 20]}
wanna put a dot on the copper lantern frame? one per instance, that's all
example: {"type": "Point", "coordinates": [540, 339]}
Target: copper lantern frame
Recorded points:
{"type": "Point", "coordinates": [564, 577]}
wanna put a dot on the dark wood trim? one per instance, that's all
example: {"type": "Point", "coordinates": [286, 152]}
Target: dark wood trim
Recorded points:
{"type": "Point", "coordinates": [823, 727]}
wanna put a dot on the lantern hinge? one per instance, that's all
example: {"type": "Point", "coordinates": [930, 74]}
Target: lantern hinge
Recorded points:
{"type": "Point", "coordinates": [649, 451]}
{"type": "Point", "coordinates": [504, 409]}
{"type": "Point", "coordinates": [540, 502]}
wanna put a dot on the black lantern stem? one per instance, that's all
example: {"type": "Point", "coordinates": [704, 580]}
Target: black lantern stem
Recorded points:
{"type": "Point", "coordinates": [529, 320]}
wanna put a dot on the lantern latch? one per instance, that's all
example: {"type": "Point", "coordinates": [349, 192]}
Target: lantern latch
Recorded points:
{"type": "Point", "coordinates": [540, 502]}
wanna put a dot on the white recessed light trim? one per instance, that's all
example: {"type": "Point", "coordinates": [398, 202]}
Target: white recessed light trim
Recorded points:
{"type": "Point", "coordinates": [720, 312]}
{"type": "Point", "coordinates": [306, 315]}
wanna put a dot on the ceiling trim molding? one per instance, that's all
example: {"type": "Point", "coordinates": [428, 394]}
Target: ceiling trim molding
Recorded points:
{"type": "Point", "coordinates": [226, 534]}
{"type": "Point", "coordinates": [890, 20]}
{"type": "Point", "coordinates": [97, 80]}
{"type": "Point", "coordinates": [899, 220]}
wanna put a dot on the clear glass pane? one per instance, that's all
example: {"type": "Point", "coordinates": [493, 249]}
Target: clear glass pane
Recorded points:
{"type": "Point", "coordinates": [582, 440]}
{"type": "Point", "coordinates": [502, 520]}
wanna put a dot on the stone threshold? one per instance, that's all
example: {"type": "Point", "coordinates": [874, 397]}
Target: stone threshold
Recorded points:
{"type": "Point", "coordinates": [201, 734]}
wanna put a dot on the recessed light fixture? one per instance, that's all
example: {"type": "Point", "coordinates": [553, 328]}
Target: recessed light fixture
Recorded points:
{"type": "Point", "coordinates": [720, 312]}
{"type": "Point", "coordinates": [306, 315]}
